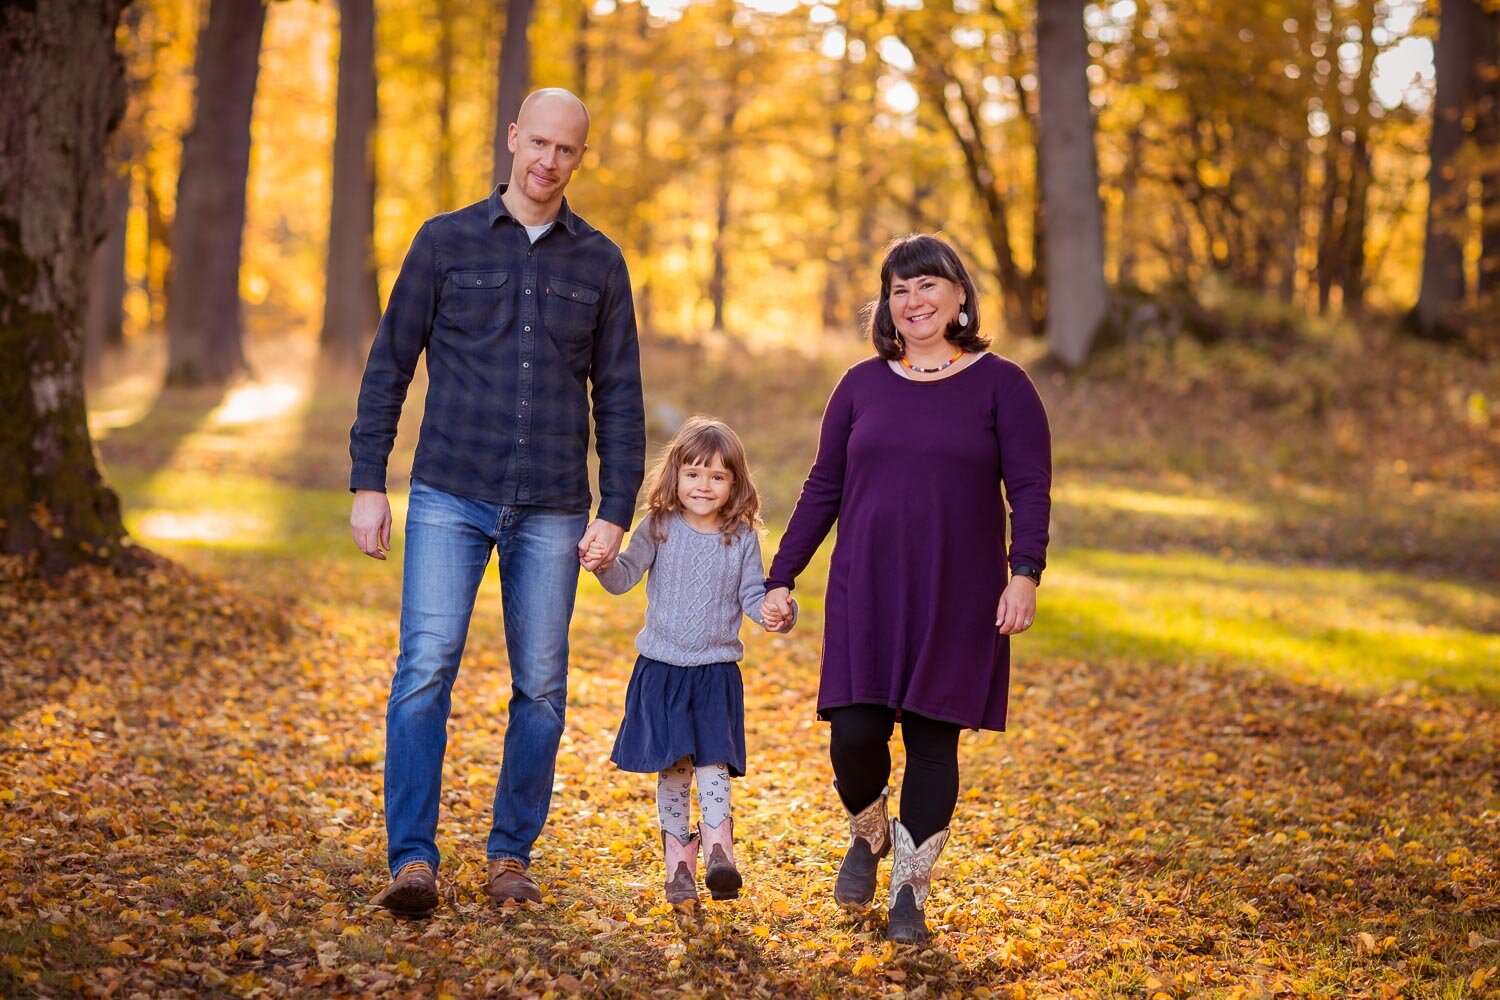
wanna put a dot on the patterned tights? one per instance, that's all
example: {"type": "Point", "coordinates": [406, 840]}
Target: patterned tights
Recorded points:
{"type": "Point", "coordinates": [674, 789]}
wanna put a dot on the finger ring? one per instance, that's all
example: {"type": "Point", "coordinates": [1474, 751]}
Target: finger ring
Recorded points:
{"type": "Point", "coordinates": [1026, 622]}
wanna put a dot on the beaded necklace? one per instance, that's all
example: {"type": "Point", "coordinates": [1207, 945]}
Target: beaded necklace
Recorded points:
{"type": "Point", "coordinates": [932, 371]}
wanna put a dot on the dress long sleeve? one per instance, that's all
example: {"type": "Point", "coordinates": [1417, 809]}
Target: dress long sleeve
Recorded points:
{"type": "Point", "coordinates": [1025, 440]}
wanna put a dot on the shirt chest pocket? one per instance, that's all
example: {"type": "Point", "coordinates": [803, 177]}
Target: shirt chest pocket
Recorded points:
{"type": "Point", "coordinates": [571, 311]}
{"type": "Point", "coordinates": [476, 301]}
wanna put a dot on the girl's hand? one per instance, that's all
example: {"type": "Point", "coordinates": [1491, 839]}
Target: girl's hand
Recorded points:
{"type": "Point", "coordinates": [593, 556]}
{"type": "Point", "coordinates": [776, 610]}
{"type": "Point", "coordinates": [1017, 608]}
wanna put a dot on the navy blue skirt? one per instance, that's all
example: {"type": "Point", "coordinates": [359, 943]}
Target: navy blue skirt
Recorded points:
{"type": "Point", "coordinates": [675, 712]}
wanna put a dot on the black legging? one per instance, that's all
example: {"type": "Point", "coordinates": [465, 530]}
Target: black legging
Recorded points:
{"type": "Point", "coordinates": [861, 754]}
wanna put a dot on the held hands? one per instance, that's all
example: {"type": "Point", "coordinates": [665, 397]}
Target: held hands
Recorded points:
{"type": "Point", "coordinates": [776, 613]}
{"type": "Point", "coordinates": [370, 523]}
{"type": "Point", "coordinates": [1017, 608]}
{"type": "Point", "coordinates": [599, 545]}
{"type": "Point", "coordinates": [595, 554]}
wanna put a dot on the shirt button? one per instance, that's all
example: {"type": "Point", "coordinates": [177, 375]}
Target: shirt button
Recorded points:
{"type": "Point", "coordinates": [525, 402]}
{"type": "Point", "coordinates": [528, 291]}
{"type": "Point", "coordinates": [525, 364]}
{"type": "Point", "coordinates": [528, 329]}
{"type": "Point", "coordinates": [478, 281]}
{"type": "Point", "coordinates": [523, 440]}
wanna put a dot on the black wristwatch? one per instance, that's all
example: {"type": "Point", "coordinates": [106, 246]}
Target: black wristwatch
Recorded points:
{"type": "Point", "coordinates": [1028, 571]}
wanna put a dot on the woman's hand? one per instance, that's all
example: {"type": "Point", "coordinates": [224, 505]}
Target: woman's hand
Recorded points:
{"type": "Point", "coordinates": [1017, 608]}
{"type": "Point", "coordinates": [776, 610]}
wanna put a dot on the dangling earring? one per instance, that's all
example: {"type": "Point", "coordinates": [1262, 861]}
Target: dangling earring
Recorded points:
{"type": "Point", "coordinates": [963, 318]}
{"type": "Point", "coordinates": [900, 344]}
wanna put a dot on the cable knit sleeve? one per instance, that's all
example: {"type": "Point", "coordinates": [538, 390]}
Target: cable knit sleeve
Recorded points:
{"type": "Point", "coordinates": [629, 566]}
{"type": "Point", "coordinates": [752, 576]}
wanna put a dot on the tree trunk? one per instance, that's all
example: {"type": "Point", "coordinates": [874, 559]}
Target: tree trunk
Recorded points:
{"type": "Point", "coordinates": [724, 189]}
{"type": "Point", "coordinates": [1131, 219]}
{"type": "Point", "coordinates": [1356, 212]}
{"type": "Point", "coordinates": [443, 179]}
{"type": "Point", "coordinates": [158, 249]}
{"type": "Point", "coordinates": [1329, 256]}
{"type": "Point", "coordinates": [1292, 235]}
{"type": "Point", "coordinates": [65, 93]}
{"type": "Point", "coordinates": [1443, 261]}
{"type": "Point", "coordinates": [645, 167]}
{"type": "Point", "coordinates": [1487, 136]}
{"type": "Point", "coordinates": [1036, 301]}
{"type": "Point", "coordinates": [515, 76]}
{"type": "Point", "coordinates": [104, 320]}
{"type": "Point", "coordinates": [831, 299]}
{"type": "Point", "coordinates": [205, 320]}
{"type": "Point", "coordinates": [1129, 183]}
{"type": "Point", "coordinates": [351, 302]}
{"type": "Point", "coordinates": [1078, 299]}
{"type": "Point", "coordinates": [581, 52]}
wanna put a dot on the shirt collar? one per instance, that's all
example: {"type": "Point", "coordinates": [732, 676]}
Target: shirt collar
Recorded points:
{"type": "Point", "coordinates": [565, 216]}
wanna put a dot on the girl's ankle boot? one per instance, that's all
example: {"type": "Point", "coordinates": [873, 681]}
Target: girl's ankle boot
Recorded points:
{"type": "Point", "coordinates": [911, 878]}
{"type": "Point", "coordinates": [722, 877]}
{"type": "Point", "coordinates": [869, 840]}
{"type": "Point", "coordinates": [682, 867]}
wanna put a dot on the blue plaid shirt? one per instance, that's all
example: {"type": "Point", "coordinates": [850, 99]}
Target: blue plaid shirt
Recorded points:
{"type": "Point", "coordinates": [519, 337]}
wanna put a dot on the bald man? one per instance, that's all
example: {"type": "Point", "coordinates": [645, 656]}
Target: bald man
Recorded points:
{"type": "Point", "coordinates": [525, 314]}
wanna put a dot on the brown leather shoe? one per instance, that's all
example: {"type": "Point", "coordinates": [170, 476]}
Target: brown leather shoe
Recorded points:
{"type": "Point", "coordinates": [508, 881]}
{"type": "Point", "coordinates": [412, 893]}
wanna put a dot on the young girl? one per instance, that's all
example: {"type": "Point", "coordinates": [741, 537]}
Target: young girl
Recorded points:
{"type": "Point", "coordinates": [684, 707]}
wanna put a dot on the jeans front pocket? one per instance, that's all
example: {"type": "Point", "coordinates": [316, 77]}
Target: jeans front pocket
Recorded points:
{"type": "Point", "coordinates": [476, 301]}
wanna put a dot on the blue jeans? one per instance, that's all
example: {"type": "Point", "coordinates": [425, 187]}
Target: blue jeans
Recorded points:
{"type": "Point", "coordinates": [448, 544]}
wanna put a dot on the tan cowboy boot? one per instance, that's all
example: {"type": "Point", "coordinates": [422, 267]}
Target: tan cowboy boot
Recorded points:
{"type": "Point", "coordinates": [869, 841]}
{"type": "Point", "coordinates": [682, 868]}
{"type": "Point", "coordinates": [911, 878]}
{"type": "Point", "coordinates": [722, 877]}
{"type": "Point", "coordinates": [412, 893]}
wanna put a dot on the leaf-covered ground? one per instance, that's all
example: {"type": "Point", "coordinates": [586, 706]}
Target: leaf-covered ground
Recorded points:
{"type": "Point", "coordinates": [1265, 772]}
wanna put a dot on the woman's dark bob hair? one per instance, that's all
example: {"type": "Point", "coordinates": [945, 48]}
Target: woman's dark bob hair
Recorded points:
{"type": "Point", "coordinates": [911, 257]}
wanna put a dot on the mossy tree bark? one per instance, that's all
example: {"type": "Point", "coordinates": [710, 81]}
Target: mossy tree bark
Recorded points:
{"type": "Point", "coordinates": [65, 87]}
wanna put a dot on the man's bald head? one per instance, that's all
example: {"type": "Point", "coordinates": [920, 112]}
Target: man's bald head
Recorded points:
{"type": "Point", "coordinates": [562, 106]}
{"type": "Point", "coordinates": [547, 142]}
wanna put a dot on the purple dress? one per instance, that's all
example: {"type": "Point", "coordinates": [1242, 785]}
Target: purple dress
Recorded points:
{"type": "Point", "coordinates": [912, 473]}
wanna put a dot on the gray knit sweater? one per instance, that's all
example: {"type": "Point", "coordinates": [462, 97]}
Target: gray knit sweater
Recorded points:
{"type": "Point", "coordinates": [696, 590]}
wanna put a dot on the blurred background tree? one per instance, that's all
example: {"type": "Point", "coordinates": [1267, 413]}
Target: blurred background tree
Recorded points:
{"type": "Point", "coordinates": [1279, 150]}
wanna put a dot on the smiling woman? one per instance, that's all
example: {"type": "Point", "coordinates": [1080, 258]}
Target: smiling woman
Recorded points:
{"type": "Point", "coordinates": [917, 448]}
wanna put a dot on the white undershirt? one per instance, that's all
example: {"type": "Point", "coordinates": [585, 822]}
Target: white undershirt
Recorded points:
{"type": "Point", "coordinates": [537, 232]}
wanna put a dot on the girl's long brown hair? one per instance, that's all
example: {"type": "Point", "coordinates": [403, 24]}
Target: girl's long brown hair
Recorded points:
{"type": "Point", "coordinates": [699, 442]}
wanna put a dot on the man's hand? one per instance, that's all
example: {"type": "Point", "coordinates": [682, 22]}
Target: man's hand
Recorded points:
{"type": "Point", "coordinates": [370, 521]}
{"type": "Point", "coordinates": [776, 610]}
{"type": "Point", "coordinates": [599, 545]}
